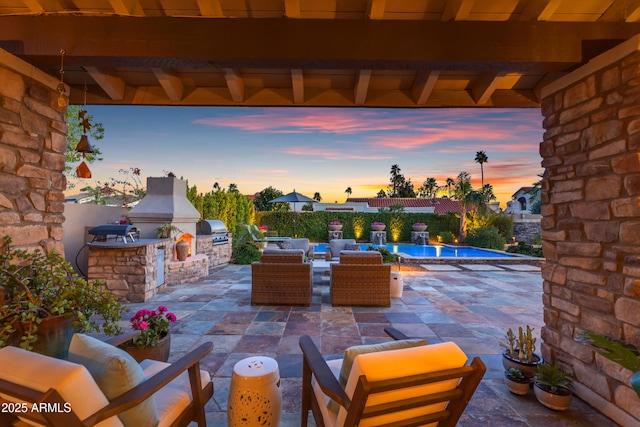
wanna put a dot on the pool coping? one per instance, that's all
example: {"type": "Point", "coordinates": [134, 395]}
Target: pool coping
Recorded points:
{"type": "Point", "coordinates": [513, 258]}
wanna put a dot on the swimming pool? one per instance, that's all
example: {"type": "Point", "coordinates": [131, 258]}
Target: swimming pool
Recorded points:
{"type": "Point", "coordinates": [431, 251]}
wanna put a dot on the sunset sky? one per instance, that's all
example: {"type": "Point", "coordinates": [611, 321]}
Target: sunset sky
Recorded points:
{"type": "Point", "coordinates": [321, 150]}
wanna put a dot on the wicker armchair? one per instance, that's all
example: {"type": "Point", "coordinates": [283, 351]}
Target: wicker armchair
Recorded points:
{"type": "Point", "coordinates": [281, 278]}
{"type": "Point", "coordinates": [361, 279]}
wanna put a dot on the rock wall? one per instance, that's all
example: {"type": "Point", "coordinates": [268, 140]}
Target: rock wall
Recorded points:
{"type": "Point", "coordinates": [32, 146]}
{"type": "Point", "coordinates": [217, 254]}
{"type": "Point", "coordinates": [590, 225]}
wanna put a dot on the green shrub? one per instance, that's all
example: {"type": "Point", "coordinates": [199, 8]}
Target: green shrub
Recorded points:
{"type": "Point", "coordinates": [246, 254]}
{"type": "Point", "coordinates": [387, 257]}
{"type": "Point", "coordinates": [525, 249]}
{"type": "Point", "coordinates": [486, 237]}
{"type": "Point", "coordinates": [504, 224]}
{"type": "Point", "coordinates": [446, 237]}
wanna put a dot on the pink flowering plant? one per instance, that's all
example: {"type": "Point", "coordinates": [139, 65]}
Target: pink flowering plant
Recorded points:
{"type": "Point", "coordinates": [335, 223]}
{"type": "Point", "coordinates": [153, 324]}
{"type": "Point", "coordinates": [377, 223]}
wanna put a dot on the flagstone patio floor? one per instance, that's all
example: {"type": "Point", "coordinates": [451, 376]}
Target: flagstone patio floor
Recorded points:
{"type": "Point", "coordinates": [469, 305]}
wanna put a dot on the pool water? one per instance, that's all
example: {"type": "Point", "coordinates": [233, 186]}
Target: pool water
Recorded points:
{"type": "Point", "coordinates": [431, 251]}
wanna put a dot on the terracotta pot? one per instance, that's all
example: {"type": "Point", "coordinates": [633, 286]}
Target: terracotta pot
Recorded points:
{"type": "Point", "coordinates": [556, 401]}
{"type": "Point", "coordinates": [156, 352]}
{"type": "Point", "coordinates": [182, 250]}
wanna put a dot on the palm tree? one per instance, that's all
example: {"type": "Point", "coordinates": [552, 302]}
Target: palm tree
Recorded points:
{"type": "Point", "coordinates": [348, 191]}
{"type": "Point", "coordinates": [450, 184]}
{"type": "Point", "coordinates": [317, 197]}
{"type": "Point", "coordinates": [481, 157]}
{"type": "Point", "coordinates": [467, 198]}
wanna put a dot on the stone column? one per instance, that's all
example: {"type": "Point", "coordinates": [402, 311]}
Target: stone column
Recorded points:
{"type": "Point", "coordinates": [591, 225]}
{"type": "Point", "coordinates": [32, 145]}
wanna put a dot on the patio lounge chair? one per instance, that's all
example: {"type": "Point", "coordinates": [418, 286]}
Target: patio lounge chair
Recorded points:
{"type": "Point", "coordinates": [433, 384]}
{"type": "Point", "coordinates": [300, 243]}
{"type": "Point", "coordinates": [332, 252]}
{"type": "Point", "coordinates": [102, 385]}
{"type": "Point", "coordinates": [281, 277]}
{"type": "Point", "coordinates": [360, 279]}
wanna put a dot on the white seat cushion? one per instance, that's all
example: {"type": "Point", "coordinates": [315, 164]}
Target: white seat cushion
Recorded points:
{"type": "Point", "coordinates": [328, 416]}
{"type": "Point", "coordinates": [402, 363]}
{"type": "Point", "coordinates": [175, 396]}
{"type": "Point", "coordinates": [71, 380]}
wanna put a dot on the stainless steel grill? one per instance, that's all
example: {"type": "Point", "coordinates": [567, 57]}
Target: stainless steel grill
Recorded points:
{"type": "Point", "coordinates": [103, 233]}
{"type": "Point", "coordinates": [216, 229]}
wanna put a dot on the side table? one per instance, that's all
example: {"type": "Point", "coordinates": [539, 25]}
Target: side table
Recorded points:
{"type": "Point", "coordinates": [255, 398]}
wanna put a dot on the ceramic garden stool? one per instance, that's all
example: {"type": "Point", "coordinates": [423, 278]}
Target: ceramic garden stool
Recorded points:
{"type": "Point", "coordinates": [396, 284]}
{"type": "Point", "coordinates": [255, 398]}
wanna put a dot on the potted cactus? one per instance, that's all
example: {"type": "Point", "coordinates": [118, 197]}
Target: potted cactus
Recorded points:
{"type": "Point", "coordinates": [519, 351]}
{"type": "Point", "coordinates": [552, 387]}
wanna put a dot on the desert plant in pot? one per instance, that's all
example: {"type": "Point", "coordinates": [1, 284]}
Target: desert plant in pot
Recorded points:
{"type": "Point", "coordinates": [44, 301]}
{"type": "Point", "coordinates": [519, 351]}
{"type": "Point", "coordinates": [552, 387]}
{"type": "Point", "coordinates": [516, 382]}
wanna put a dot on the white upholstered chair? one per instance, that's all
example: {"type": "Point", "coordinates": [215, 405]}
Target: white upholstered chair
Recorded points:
{"type": "Point", "coordinates": [102, 385]}
{"type": "Point", "coordinates": [431, 386]}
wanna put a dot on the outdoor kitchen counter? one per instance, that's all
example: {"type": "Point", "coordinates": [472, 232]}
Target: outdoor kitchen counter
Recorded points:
{"type": "Point", "coordinates": [119, 244]}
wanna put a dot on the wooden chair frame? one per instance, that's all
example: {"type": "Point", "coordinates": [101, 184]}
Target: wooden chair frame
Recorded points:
{"type": "Point", "coordinates": [193, 412]}
{"type": "Point", "coordinates": [458, 398]}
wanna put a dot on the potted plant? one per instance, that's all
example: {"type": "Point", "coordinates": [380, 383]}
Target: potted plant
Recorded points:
{"type": "Point", "coordinates": [516, 382]}
{"type": "Point", "coordinates": [167, 230]}
{"type": "Point", "coordinates": [552, 387]}
{"type": "Point", "coordinates": [154, 341]}
{"type": "Point", "coordinates": [335, 226]}
{"type": "Point", "coordinates": [419, 226]}
{"type": "Point", "coordinates": [519, 351]}
{"type": "Point", "coordinates": [43, 302]}
{"type": "Point", "coordinates": [378, 226]}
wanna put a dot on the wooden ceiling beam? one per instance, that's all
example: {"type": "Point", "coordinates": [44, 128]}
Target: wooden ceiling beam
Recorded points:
{"type": "Point", "coordinates": [42, 6]}
{"type": "Point", "coordinates": [235, 84]}
{"type": "Point", "coordinates": [485, 85]}
{"type": "Point", "coordinates": [529, 10]}
{"type": "Point", "coordinates": [210, 8]}
{"type": "Point", "coordinates": [297, 84]}
{"type": "Point", "coordinates": [292, 8]}
{"type": "Point", "coordinates": [113, 86]}
{"type": "Point", "coordinates": [174, 42]}
{"type": "Point", "coordinates": [549, 10]}
{"type": "Point", "coordinates": [423, 86]}
{"type": "Point", "coordinates": [127, 7]}
{"type": "Point", "coordinates": [376, 9]}
{"type": "Point", "coordinates": [171, 84]}
{"type": "Point", "coordinates": [361, 87]}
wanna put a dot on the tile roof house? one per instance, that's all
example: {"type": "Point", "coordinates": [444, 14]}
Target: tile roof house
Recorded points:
{"type": "Point", "coordinates": [441, 205]}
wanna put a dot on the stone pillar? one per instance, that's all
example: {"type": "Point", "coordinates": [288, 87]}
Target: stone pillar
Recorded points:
{"type": "Point", "coordinates": [32, 145]}
{"type": "Point", "coordinates": [591, 225]}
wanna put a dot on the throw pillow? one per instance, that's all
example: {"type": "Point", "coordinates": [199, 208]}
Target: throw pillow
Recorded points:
{"type": "Point", "coordinates": [351, 353]}
{"type": "Point", "coordinates": [352, 247]}
{"type": "Point", "coordinates": [285, 245]}
{"type": "Point", "coordinates": [115, 372]}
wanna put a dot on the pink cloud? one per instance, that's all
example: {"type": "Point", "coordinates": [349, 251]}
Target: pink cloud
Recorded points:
{"type": "Point", "coordinates": [306, 121]}
{"type": "Point", "coordinates": [331, 154]}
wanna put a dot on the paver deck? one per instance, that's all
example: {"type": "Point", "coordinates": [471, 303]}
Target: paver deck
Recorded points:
{"type": "Point", "coordinates": [472, 308]}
